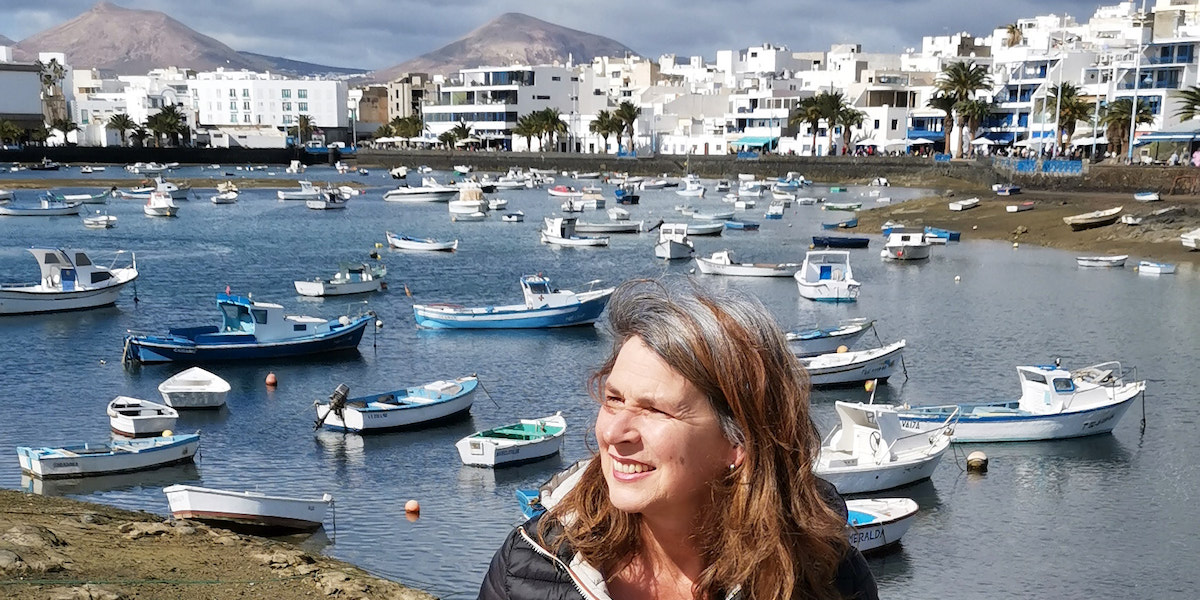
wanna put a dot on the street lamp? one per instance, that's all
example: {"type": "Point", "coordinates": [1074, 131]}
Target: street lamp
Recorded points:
{"type": "Point", "coordinates": [1137, 80]}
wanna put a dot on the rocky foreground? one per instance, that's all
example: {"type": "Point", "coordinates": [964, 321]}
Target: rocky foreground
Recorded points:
{"type": "Point", "coordinates": [64, 549]}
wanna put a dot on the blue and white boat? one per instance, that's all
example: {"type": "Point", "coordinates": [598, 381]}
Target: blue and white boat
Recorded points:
{"type": "Point", "coordinates": [411, 407]}
{"type": "Point", "coordinates": [1006, 190]}
{"type": "Point", "coordinates": [250, 330]}
{"type": "Point", "coordinates": [877, 524]}
{"type": "Point", "coordinates": [106, 458]}
{"type": "Point", "coordinates": [938, 235]}
{"type": "Point", "coordinates": [1055, 403]}
{"type": "Point", "coordinates": [544, 307]}
{"type": "Point", "coordinates": [847, 224]}
{"type": "Point", "coordinates": [816, 341]}
{"type": "Point", "coordinates": [834, 241]}
{"type": "Point", "coordinates": [741, 225]}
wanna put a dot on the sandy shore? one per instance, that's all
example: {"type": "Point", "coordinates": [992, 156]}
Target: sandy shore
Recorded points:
{"type": "Point", "coordinates": [1157, 238]}
{"type": "Point", "coordinates": [65, 549]}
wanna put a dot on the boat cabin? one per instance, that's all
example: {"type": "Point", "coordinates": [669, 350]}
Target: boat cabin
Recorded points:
{"type": "Point", "coordinates": [69, 270]}
{"type": "Point", "coordinates": [540, 294]}
{"type": "Point", "coordinates": [827, 265]}
{"type": "Point", "coordinates": [1051, 389]}
{"type": "Point", "coordinates": [674, 232]}
{"type": "Point", "coordinates": [906, 236]}
{"type": "Point", "coordinates": [866, 430]}
{"type": "Point", "coordinates": [264, 320]}
{"type": "Point", "coordinates": [563, 227]}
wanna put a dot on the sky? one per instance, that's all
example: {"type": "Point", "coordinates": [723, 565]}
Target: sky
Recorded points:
{"type": "Point", "coordinates": [374, 34]}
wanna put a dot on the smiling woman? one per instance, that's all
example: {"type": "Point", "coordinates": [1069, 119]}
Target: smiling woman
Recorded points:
{"type": "Point", "coordinates": [702, 485]}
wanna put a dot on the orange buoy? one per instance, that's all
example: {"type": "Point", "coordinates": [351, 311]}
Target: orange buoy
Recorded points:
{"type": "Point", "coordinates": [842, 349]}
{"type": "Point", "coordinates": [412, 507]}
{"type": "Point", "coordinates": [272, 381]}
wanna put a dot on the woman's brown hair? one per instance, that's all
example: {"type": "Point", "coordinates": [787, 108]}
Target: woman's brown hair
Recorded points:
{"type": "Point", "coordinates": [769, 531]}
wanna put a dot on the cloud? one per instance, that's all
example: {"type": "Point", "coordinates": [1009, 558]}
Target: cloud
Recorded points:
{"type": "Point", "coordinates": [379, 33]}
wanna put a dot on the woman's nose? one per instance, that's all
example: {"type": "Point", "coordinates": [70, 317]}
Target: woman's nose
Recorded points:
{"type": "Point", "coordinates": [618, 426]}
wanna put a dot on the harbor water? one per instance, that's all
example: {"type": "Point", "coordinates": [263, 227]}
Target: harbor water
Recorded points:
{"type": "Point", "coordinates": [1106, 516]}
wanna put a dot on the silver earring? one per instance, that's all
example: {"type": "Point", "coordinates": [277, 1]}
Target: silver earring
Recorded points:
{"type": "Point", "coordinates": [732, 466]}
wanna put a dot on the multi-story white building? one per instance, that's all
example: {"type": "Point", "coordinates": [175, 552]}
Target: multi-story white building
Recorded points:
{"type": "Point", "coordinates": [244, 105]}
{"type": "Point", "coordinates": [138, 96]}
{"type": "Point", "coordinates": [491, 99]}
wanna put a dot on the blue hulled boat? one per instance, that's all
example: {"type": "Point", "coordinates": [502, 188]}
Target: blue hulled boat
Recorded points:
{"type": "Point", "coordinates": [835, 241]}
{"type": "Point", "coordinates": [944, 235]}
{"type": "Point", "coordinates": [847, 224]}
{"type": "Point", "coordinates": [743, 225]}
{"type": "Point", "coordinates": [544, 307]}
{"type": "Point", "coordinates": [250, 330]}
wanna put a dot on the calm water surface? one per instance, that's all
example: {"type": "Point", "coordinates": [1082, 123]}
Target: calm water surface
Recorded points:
{"type": "Point", "coordinates": [1109, 516]}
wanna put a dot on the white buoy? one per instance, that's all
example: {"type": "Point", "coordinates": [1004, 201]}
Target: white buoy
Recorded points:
{"type": "Point", "coordinates": [957, 279]}
{"type": "Point", "coordinates": [1015, 245]}
{"type": "Point", "coordinates": [977, 462]}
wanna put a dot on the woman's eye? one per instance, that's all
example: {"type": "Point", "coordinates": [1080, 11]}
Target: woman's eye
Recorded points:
{"type": "Point", "coordinates": [613, 400]}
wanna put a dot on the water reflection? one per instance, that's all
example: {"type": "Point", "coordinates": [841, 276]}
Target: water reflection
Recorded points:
{"type": "Point", "coordinates": [155, 479]}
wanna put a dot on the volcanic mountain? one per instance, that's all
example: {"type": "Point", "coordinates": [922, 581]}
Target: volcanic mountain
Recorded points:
{"type": "Point", "coordinates": [131, 42]}
{"type": "Point", "coordinates": [508, 39]}
{"type": "Point", "coordinates": [6, 42]}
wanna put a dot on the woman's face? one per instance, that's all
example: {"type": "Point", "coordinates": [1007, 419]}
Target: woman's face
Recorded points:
{"type": "Point", "coordinates": [660, 442]}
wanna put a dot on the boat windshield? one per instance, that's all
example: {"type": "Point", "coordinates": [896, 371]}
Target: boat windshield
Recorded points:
{"type": "Point", "coordinates": [539, 288]}
{"type": "Point", "coordinates": [235, 315]}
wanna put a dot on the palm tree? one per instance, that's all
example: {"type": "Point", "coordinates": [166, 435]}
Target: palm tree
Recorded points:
{"type": "Point", "coordinates": [961, 80]}
{"type": "Point", "coordinates": [407, 127]}
{"type": "Point", "coordinates": [52, 73]}
{"type": "Point", "coordinates": [123, 124]}
{"type": "Point", "coordinates": [849, 117]}
{"type": "Point", "coordinates": [1116, 118]}
{"type": "Point", "coordinates": [461, 131]}
{"type": "Point", "coordinates": [551, 124]}
{"type": "Point", "coordinates": [175, 122]}
{"type": "Point", "coordinates": [448, 138]}
{"type": "Point", "coordinates": [65, 126]}
{"type": "Point", "coordinates": [628, 114]}
{"type": "Point", "coordinates": [527, 127]}
{"type": "Point", "coordinates": [945, 103]}
{"type": "Point", "coordinates": [1068, 108]}
{"type": "Point", "coordinates": [808, 110]}
{"type": "Point", "coordinates": [304, 126]}
{"type": "Point", "coordinates": [830, 105]}
{"type": "Point", "coordinates": [604, 125]}
{"type": "Point", "coordinates": [974, 113]}
{"type": "Point", "coordinates": [37, 135]}
{"type": "Point", "coordinates": [1013, 35]}
{"type": "Point", "coordinates": [383, 131]}
{"type": "Point", "coordinates": [1189, 99]}
{"type": "Point", "coordinates": [9, 132]}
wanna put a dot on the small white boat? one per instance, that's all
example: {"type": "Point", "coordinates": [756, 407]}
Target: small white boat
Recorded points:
{"type": "Point", "coordinates": [226, 186]}
{"type": "Point", "coordinates": [1022, 207]}
{"type": "Point", "coordinates": [906, 243]}
{"type": "Point", "coordinates": [826, 276]}
{"type": "Point", "coordinates": [1147, 197]}
{"type": "Point", "coordinates": [306, 192]}
{"type": "Point", "coordinates": [877, 524]}
{"type": "Point", "coordinates": [513, 217]}
{"type": "Point", "coordinates": [474, 216]}
{"type": "Point", "coordinates": [160, 204]}
{"type": "Point", "coordinates": [592, 200]}
{"type": "Point", "coordinates": [693, 190]}
{"type": "Point", "coordinates": [847, 368]}
{"type": "Point", "coordinates": [1147, 267]}
{"type": "Point", "coordinates": [328, 200]}
{"type": "Point", "coordinates": [46, 207]}
{"type": "Point", "coordinates": [100, 221]}
{"type": "Point", "coordinates": [1191, 239]}
{"type": "Point", "coordinates": [296, 166]}
{"type": "Point", "coordinates": [135, 417]}
{"type": "Point", "coordinates": [610, 227]}
{"type": "Point", "coordinates": [617, 213]}
{"type": "Point", "coordinates": [425, 193]}
{"type": "Point", "coordinates": [229, 197]}
{"type": "Point", "coordinates": [400, 172]}
{"type": "Point", "coordinates": [1102, 261]}
{"type": "Point", "coordinates": [1055, 404]}
{"type": "Point", "coordinates": [194, 388]}
{"type": "Point", "coordinates": [497, 204]}
{"type": "Point", "coordinates": [561, 231]}
{"type": "Point", "coordinates": [524, 441]}
{"type": "Point", "coordinates": [967, 204]}
{"type": "Point", "coordinates": [463, 169]}
{"type": "Point", "coordinates": [706, 228]}
{"type": "Point", "coordinates": [470, 200]}
{"type": "Point", "coordinates": [880, 181]}
{"type": "Point", "coordinates": [775, 210]}
{"type": "Point", "coordinates": [1097, 218]}
{"type": "Point", "coordinates": [572, 205]}
{"type": "Point", "coordinates": [106, 458]}
{"type": "Point", "coordinates": [417, 406]}
{"type": "Point", "coordinates": [1131, 220]}
{"type": "Point", "coordinates": [69, 281]}
{"type": "Point", "coordinates": [714, 215]}
{"type": "Point", "coordinates": [722, 263]}
{"type": "Point", "coordinates": [248, 509]}
{"type": "Point", "coordinates": [673, 242]}
{"type": "Point", "coordinates": [845, 206]}
{"type": "Point", "coordinates": [351, 278]}
{"type": "Point", "coordinates": [544, 306]}
{"type": "Point", "coordinates": [404, 242]}
{"type": "Point", "coordinates": [869, 451]}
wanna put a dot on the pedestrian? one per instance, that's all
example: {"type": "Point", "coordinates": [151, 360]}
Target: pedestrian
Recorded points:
{"type": "Point", "coordinates": [1174, 159]}
{"type": "Point", "coordinates": [701, 485]}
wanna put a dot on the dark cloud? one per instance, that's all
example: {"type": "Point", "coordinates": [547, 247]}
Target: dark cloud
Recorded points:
{"type": "Point", "coordinates": [380, 33]}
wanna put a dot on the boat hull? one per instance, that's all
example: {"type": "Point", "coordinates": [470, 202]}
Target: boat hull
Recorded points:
{"type": "Point", "coordinates": [828, 291]}
{"type": "Point", "coordinates": [152, 349]}
{"type": "Point", "coordinates": [247, 509]}
{"type": "Point", "coordinates": [14, 302]}
{"type": "Point", "coordinates": [972, 427]}
{"type": "Point", "coordinates": [150, 453]}
{"type": "Point", "coordinates": [856, 367]}
{"type": "Point", "coordinates": [815, 342]}
{"type": "Point", "coordinates": [672, 250]}
{"type": "Point", "coordinates": [746, 270]}
{"type": "Point", "coordinates": [517, 317]}
{"type": "Point", "coordinates": [878, 524]}
{"type": "Point", "coordinates": [867, 476]}
{"type": "Point", "coordinates": [483, 452]}
{"type": "Point", "coordinates": [416, 412]}
{"type": "Point", "coordinates": [906, 252]}
{"type": "Point", "coordinates": [328, 288]}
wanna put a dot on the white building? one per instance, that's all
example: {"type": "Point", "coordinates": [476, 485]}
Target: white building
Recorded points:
{"type": "Point", "coordinates": [242, 107]}
{"type": "Point", "coordinates": [21, 101]}
{"type": "Point", "coordinates": [491, 99]}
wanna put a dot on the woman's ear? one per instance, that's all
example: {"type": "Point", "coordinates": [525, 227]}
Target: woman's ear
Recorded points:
{"type": "Point", "coordinates": [739, 455]}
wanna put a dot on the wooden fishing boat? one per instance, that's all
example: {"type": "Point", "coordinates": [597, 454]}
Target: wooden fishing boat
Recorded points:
{"type": "Point", "coordinates": [525, 441]}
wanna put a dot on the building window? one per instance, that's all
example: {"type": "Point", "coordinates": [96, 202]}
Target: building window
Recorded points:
{"type": "Point", "coordinates": [574, 79]}
{"type": "Point", "coordinates": [302, 93]}
{"type": "Point", "coordinates": [541, 97]}
{"type": "Point", "coordinates": [303, 106]}
{"type": "Point", "coordinates": [895, 123]}
{"type": "Point", "coordinates": [232, 93]}
{"type": "Point", "coordinates": [245, 106]}
{"type": "Point", "coordinates": [233, 117]}
{"type": "Point", "coordinates": [287, 119]}
{"type": "Point", "coordinates": [285, 93]}
{"type": "Point", "coordinates": [287, 106]}
{"type": "Point", "coordinates": [556, 79]}
{"type": "Point", "coordinates": [245, 92]}
{"type": "Point", "coordinates": [876, 124]}
{"type": "Point", "coordinates": [245, 117]}
{"type": "Point", "coordinates": [233, 105]}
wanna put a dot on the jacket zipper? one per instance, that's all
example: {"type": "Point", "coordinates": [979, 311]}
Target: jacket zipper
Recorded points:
{"type": "Point", "coordinates": [582, 587]}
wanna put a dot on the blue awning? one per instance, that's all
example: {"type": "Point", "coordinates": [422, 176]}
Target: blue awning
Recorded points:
{"type": "Point", "coordinates": [927, 134]}
{"type": "Point", "coordinates": [1001, 136]}
{"type": "Point", "coordinates": [1168, 136]}
{"type": "Point", "coordinates": [754, 142]}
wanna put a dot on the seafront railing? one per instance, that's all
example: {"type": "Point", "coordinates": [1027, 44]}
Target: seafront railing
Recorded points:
{"type": "Point", "coordinates": [1037, 166]}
